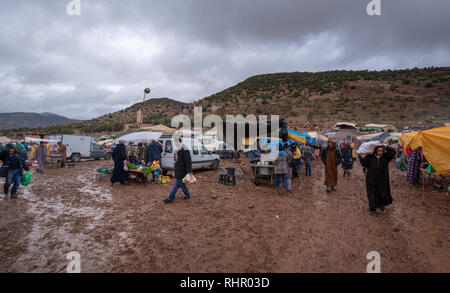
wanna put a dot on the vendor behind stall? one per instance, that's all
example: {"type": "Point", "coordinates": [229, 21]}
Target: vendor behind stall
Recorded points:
{"type": "Point", "coordinates": [153, 157]}
{"type": "Point", "coordinates": [62, 150]}
{"type": "Point", "coordinates": [154, 151]}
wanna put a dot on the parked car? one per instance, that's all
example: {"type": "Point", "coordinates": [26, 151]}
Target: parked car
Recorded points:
{"type": "Point", "coordinates": [79, 147]}
{"type": "Point", "coordinates": [201, 157]}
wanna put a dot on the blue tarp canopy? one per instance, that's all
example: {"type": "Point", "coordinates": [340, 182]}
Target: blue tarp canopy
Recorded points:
{"type": "Point", "coordinates": [269, 143]}
{"type": "Point", "coordinates": [295, 134]}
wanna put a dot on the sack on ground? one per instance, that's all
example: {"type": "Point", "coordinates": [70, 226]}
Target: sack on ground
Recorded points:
{"type": "Point", "coordinates": [163, 179]}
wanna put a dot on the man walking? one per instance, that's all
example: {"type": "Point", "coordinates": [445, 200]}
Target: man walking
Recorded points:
{"type": "Point", "coordinates": [183, 166]}
{"type": "Point", "coordinates": [308, 156]}
{"type": "Point", "coordinates": [15, 164]}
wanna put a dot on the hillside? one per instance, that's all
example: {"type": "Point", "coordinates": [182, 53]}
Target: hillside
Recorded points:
{"type": "Point", "coordinates": [396, 96]}
{"type": "Point", "coordinates": [22, 119]}
{"type": "Point", "coordinates": [400, 97]}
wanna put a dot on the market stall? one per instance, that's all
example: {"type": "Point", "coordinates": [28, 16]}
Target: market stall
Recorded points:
{"type": "Point", "coordinates": [138, 175]}
{"type": "Point", "coordinates": [262, 171]}
{"type": "Point", "coordinates": [264, 168]}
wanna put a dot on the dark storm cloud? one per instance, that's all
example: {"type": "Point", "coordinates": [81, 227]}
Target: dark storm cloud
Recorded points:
{"type": "Point", "coordinates": [99, 62]}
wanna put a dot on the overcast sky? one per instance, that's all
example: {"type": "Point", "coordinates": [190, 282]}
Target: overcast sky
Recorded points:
{"type": "Point", "coordinates": [100, 61]}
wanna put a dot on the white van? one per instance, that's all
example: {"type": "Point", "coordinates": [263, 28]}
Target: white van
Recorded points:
{"type": "Point", "coordinates": [200, 156]}
{"type": "Point", "coordinates": [78, 147]}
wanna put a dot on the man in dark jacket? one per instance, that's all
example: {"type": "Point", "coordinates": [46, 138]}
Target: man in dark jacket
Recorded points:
{"type": "Point", "coordinates": [377, 177]}
{"type": "Point", "coordinates": [15, 163]}
{"type": "Point", "coordinates": [183, 166]}
{"type": "Point", "coordinates": [154, 151]}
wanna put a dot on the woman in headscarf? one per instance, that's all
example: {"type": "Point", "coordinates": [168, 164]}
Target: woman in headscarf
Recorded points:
{"type": "Point", "coordinates": [120, 158]}
{"type": "Point", "coordinates": [377, 177]}
{"type": "Point", "coordinates": [415, 159]}
{"type": "Point", "coordinates": [331, 158]}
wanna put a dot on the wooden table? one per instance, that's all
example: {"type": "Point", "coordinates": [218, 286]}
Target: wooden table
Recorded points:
{"type": "Point", "coordinates": [139, 174]}
{"type": "Point", "coordinates": [257, 172]}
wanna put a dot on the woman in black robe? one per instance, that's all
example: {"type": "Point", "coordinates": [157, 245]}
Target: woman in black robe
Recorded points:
{"type": "Point", "coordinates": [377, 177]}
{"type": "Point", "coordinates": [119, 156]}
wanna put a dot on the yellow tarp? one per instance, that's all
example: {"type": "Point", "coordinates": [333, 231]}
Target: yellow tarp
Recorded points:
{"type": "Point", "coordinates": [435, 144]}
{"type": "Point", "coordinates": [407, 137]}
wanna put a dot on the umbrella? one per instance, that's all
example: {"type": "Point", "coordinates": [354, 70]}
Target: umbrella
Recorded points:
{"type": "Point", "coordinates": [142, 136]}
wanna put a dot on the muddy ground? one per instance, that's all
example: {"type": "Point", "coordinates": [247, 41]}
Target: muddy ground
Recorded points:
{"type": "Point", "coordinates": [129, 229]}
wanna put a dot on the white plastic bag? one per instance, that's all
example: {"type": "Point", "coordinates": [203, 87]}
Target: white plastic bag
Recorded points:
{"type": "Point", "coordinates": [368, 147]}
{"type": "Point", "coordinates": [125, 168]}
{"type": "Point", "coordinates": [190, 179]}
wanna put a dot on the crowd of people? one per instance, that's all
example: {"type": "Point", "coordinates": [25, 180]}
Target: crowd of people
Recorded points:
{"type": "Point", "coordinates": [287, 165]}
{"type": "Point", "coordinates": [375, 165]}
{"type": "Point", "coordinates": [141, 154]}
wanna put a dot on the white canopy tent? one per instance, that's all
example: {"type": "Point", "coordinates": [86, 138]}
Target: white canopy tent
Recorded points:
{"type": "Point", "coordinates": [38, 140]}
{"type": "Point", "coordinates": [137, 137]}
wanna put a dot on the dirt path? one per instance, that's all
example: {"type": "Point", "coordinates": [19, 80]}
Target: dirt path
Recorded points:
{"type": "Point", "coordinates": [129, 229]}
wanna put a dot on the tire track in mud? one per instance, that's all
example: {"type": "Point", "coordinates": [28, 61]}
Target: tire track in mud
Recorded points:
{"type": "Point", "coordinates": [129, 229]}
{"type": "Point", "coordinates": [63, 218]}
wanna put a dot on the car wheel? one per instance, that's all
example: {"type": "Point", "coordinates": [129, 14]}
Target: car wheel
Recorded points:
{"type": "Point", "coordinates": [75, 157]}
{"type": "Point", "coordinates": [108, 156]}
